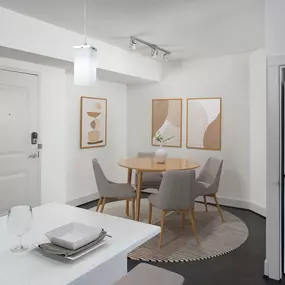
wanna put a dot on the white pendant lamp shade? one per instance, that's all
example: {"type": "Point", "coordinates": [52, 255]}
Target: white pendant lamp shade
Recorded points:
{"type": "Point", "coordinates": [85, 65]}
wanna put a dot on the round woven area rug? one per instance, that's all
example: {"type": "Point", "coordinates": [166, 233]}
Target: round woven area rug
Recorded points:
{"type": "Point", "coordinates": [179, 245]}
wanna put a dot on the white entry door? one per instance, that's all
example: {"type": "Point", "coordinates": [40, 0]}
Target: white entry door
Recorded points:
{"type": "Point", "coordinates": [19, 162]}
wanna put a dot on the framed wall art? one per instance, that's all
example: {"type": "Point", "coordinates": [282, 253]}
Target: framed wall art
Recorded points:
{"type": "Point", "coordinates": [204, 123]}
{"type": "Point", "coordinates": [93, 122]}
{"type": "Point", "coordinates": [167, 121]}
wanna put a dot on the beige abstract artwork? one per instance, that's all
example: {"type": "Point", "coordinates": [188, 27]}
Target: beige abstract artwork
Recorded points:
{"type": "Point", "coordinates": [167, 120]}
{"type": "Point", "coordinates": [204, 123]}
{"type": "Point", "coordinates": [93, 130]}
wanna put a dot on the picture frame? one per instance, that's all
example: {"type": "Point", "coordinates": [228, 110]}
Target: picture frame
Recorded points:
{"type": "Point", "coordinates": [167, 119]}
{"type": "Point", "coordinates": [93, 122]}
{"type": "Point", "coordinates": [204, 123]}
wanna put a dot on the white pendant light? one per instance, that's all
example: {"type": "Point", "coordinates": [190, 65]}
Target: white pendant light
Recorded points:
{"type": "Point", "coordinates": [85, 61]}
{"type": "Point", "coordinates": [85, 65]}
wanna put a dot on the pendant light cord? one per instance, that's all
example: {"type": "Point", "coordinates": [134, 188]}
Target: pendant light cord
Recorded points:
{"type": "Point", "coordinates": [85, 22]}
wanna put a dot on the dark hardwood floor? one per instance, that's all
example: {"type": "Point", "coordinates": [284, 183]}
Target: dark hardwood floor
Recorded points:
{"type": "Point", "coordinates": [243, 266]}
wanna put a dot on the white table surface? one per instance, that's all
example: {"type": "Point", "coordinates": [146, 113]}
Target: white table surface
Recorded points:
{"type": "Point", "coordinates": [32, 267]}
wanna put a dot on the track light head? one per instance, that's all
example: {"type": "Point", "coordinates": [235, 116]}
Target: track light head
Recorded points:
{"type": "Point", "coordinates": [154, 52]}
{"type": "Point", "coordinates": [165, 57]}
{"type": "Point", "coordinates": [133, 43]}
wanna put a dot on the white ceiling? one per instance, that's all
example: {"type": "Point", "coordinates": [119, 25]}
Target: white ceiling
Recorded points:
{"type": "Point", "coordinates": [188, 28]}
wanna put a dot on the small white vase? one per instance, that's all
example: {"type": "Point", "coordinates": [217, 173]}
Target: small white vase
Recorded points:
{"type": "Point", "coordinates": [160, 155]}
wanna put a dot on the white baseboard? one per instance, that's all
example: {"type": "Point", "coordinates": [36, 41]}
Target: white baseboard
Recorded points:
{"type": "Point", "coordinates": [258, 209]}
{"type": "Point", "coordinates": [83, 200]}
{"type": "Point", "coordinates": [266, 268]}
{"type": "Point", "coordinates": [237, 204]}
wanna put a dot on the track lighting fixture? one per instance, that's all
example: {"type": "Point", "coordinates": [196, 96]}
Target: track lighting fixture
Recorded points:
{"type": "Point", "coordinates": [154, 52]}
{"type": "Point", "coordinates": [154, 48]}
{"type": "Point", "coordinates": [133, 44]}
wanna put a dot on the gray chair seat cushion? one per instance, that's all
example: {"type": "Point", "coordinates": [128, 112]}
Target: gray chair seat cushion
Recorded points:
{"type": "Point", "coordinates": [151, 275]}
{"type": "Point", "coordinates": [150, 190]}
{"type": "Point", "coordinates": [155, 201]}
{"type": "Point", "coordinates": [204, 184]}
{"type": "Point", "coordinates": [151, 179]}
{"type": "Point", "coordinates": [121, 190]}
{"type": "Point", "coordinates": [203, 188]}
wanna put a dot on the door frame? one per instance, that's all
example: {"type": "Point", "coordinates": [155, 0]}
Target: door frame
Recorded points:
{"type": "Point", "coordinates": [274, 148]}
{"type": "Point", "coordinates": [28, 72]}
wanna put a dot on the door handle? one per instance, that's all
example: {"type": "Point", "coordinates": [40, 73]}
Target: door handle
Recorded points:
{"type": "Point", "coordinates": [33, 155]}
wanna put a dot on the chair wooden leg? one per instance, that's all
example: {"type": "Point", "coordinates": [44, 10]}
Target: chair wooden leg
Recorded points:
{"type": "Point", "coordinates": [103, 205]}
{"type": "Point", "coordinates": [99, 204]}
{"type": "Point", "coordinates": [163, 213]}
{"type": "Point", "coordinates": [150, 213]}
{"type": "Point", "coordinates": [205, 202]}
{"type": "Point", "coordinates": [183, 219]}
{"type": "Point", "coordinates": [133, 208]}
{"type": "Point", "coordinates": [193, 225]}
{"type": "Point", "coordinates": [218, 206]}
{"type": "Point", "coordinates": [127, 208]}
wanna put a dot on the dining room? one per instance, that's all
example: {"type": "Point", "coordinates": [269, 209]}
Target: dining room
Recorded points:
{"type": "Point", "coordinates": [164, 151]}
{"type": "Point", "coordinates": [166, 132]}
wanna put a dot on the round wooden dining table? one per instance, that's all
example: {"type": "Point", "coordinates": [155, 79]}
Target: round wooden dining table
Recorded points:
{"type": "Point", "coordinates": [149, 164]}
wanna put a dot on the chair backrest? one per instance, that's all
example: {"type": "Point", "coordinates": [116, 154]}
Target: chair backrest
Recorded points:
{"type": "Point", "coordinates": [211, 172]}
{"type": "Point", "coordinates": [101, 180]}
{"type": "Point", "coordinates": [175, 190]}
{"type": "Point", "coordinates": [146, 154]}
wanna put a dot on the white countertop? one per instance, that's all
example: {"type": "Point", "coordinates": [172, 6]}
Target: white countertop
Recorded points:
{"type": "Point", "coordinates": [32, 267]}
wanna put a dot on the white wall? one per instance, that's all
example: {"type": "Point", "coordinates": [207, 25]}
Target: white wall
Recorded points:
{"type": "Point", "coordinates": [52, 127]}
{"type": "Point", "coordinates": [258, 128]}
{"type": "Point", "coordinates": [81, 184]}
{"type": "Point", "coordinates": [34, 36]}
{"type": "Point", "coordinates": [227, 77]}
{"type": "Point", "coordinates": [274, 27]}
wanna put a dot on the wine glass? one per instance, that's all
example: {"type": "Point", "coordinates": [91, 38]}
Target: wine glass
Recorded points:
{"type": "Point", "coordinates": [19, 222]}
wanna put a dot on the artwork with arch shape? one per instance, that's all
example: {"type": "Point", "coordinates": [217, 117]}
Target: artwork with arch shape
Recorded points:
{"type": "Point", "coordinates": [204, 123]}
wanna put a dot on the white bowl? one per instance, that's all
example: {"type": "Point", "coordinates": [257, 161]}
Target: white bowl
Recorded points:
{"type": "Point", "coordinates": [73, 235]}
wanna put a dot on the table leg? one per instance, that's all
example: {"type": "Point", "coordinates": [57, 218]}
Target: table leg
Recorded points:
{"type": "Point", "coordinates": [130, 171]}
{"type": "Point", "coordinates": [139, 188]}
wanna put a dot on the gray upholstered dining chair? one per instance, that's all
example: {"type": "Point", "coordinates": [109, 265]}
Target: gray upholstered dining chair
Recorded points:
{"type": "Point", "coordinates": [207, 182]}
{"type": "Point", "coordinates": [149, 179]}
{"type": "Point", "coordinates": [108, 189]}
{"type": "Point", "coordinates": [176, 193]}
